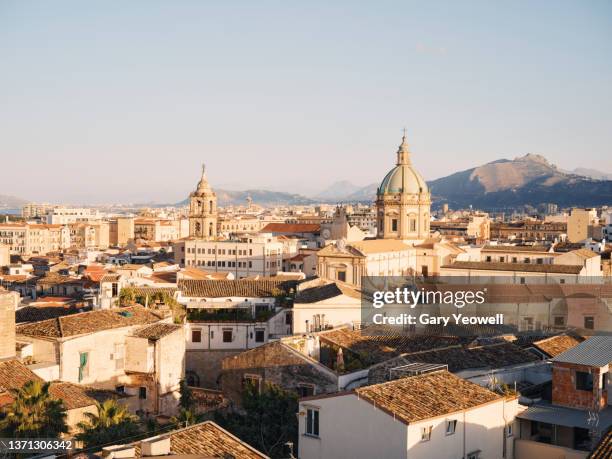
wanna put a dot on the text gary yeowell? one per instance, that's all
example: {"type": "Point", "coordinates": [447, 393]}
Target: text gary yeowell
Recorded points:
{"type": "Point", "coordinates": [411, 298]}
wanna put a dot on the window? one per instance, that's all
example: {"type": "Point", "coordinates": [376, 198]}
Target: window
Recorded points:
{"type": "Point", "coordinates": [559, 321]}
{"type": "Point", "coordinates": [426, 433]}
{"type": "Point", "coordinates": [305, 390]}
{"type": "Point", "coordinates": [83, 365]}
{"type": "Point", "coordinates": [514, 260]}
{"type": "Point", "coordinates": [522, 280]}
{"type": "Point", "coordinates": [259, 335]}
{"type": "Point", "coordinates": [227, 335]}
{"type": "Point", "coordinates": [341, 275]}
{"type": "Point", "coordinates": [118, 356]}
{"type": "Point", "coordinates": [288, 317]}
{"type": "Point", "coordinates": [312, 422]}
{"type": "Point", "coordinates": [412, 224]}
{"type": "Point", "coordinates": [451, 426]}
{"type": "Point", "coordinates": [540, 261]}
{"type": "Point", "coordinates": [394, 224]}
{"type": "Point", "coordinates": [488, 259]}
{"type": "Point", "coordinates": [589, 322]}
{"type": "Point", "coordinates": [502, 259]}
{"type": "Point", "coordinates": [196, 336]}
{"type": "Point", "coordinates": [509, 430]}
{"type": "Point", "coordinates": [584, 381]}
{"type": "Point", "coordinates": [120, 389]}
{"type": "Point", "coordinates": [142, 393]}
{"type": "Point", "coordinates": [562, 281]}
{"type": "Point", "coordinates": [252, 382]}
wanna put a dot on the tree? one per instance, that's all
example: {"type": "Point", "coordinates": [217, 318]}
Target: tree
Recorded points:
{"type": "Point", "coordinates": [34, 413]}
{"type": "Point", "coordinates": [127, 296]}
{"type": "Point", "coordinates": [112, 422]}
{"type": "Point", "coordinates": [269, 419]}
{"type": "Point", "coordinates": [186, 400]}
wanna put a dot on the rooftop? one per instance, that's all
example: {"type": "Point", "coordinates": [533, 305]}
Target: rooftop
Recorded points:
{"type": "Point", "coordinates": [261, 288]}
{"type": "Point", "coordinates": [515, 248]}
{"type": "Point", "coordinates": [556, 345]}
{"type": "Point", "coordinates": [208, 439]}
{"type": "Point", "coordinates": [156, 331]}
{"type": "Point", "coordinates": [326, 291]}
{"type": "Point", "coordinates": [426, 396]}
{"type": "Point", "coordinates": [514, 267]}
{"type": "Point", "coordinates": [88, 322]}
{"type": "Point", "coordinates": [594, 352]}
{"type": "Point", "coordinates": [291, 228]}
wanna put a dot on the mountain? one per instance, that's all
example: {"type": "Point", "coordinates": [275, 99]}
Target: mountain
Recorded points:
{"type": "Point", "coordinates": [260, 197]}
{"type": "Point", "coordinates": [338, 191]}
{"type": "Point", "coordinates": [11, 202]}
{"type": "Point", "coordinates": [592, 173]}
{"type": "Point", "coordinates": [529, 179]}
{"type": "Point", "coordinates": [366, 193]}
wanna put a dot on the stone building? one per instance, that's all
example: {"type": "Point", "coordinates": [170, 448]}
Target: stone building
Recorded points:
{"type": "Point", "coordinates": [403, 201]}
{"type": "Point", "coordinates": [203, 210]}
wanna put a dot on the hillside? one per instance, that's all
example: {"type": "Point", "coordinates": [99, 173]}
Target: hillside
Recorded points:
{"type": "Point", "coordinates": [11, 202]}
{"type": "Point", "coordinates": [529, 179]}
{"type": "Point", "coordinates": [260, 197]}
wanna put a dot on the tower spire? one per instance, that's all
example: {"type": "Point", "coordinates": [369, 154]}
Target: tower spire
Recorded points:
{"type": "Point", "coordinates": [403, 152]}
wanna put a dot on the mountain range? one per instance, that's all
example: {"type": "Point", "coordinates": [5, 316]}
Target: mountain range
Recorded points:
{"type": "Point", "coordinates": [526, 180]}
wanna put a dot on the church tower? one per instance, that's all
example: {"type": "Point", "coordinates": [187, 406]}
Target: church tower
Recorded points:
{"type": "Point", "coordinates": [203, 210]}
{"type": "Point", "coordinates": [403, 201]}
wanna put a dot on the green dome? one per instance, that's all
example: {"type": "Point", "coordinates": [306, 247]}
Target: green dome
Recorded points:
{"type": "Point", "coordinates": [403, 179]}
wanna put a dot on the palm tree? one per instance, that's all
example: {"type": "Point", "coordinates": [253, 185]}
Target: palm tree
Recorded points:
{"type": "Point", "coordinates": [112, 422]}
{"type": "Point", "coordinates": [185, 418]}
{"type": "Point", "coordinates": [34, 413]}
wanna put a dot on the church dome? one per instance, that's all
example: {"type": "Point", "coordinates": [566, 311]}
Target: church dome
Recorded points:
{"type": "Point", "coordinates": [403, 178]}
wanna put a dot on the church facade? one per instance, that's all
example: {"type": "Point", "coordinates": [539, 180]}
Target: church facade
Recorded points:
{"type": "Point", "coordinates": [203, 210]}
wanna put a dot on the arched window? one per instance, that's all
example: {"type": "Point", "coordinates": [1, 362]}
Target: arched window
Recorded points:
{"type": "Point", "coordinates": [210, 228]}
{"type": "Point", "coordinates": [198, 228]}
{"type": "Point", "coordinates": [210, 206]}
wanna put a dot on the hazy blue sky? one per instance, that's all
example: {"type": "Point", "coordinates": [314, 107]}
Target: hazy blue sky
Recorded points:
{"type": "Point", "coordinates": [122, 100]}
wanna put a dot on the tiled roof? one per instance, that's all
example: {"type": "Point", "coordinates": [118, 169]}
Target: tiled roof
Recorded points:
{"type": "Point", "coordinates": [373, 349]}
{"type": "Point", "coordinates": [515, 248]}
{"type": "Point", "coordinates": [89, 322]}
{"type": "Point", "coordinates": [146, 290]}
{"type": "Point", "coordinates": [72, 395]}
{"type": "Point", "coordinates": [291, 228]}
{"type": "Point", "coordinates": [231, 288]}
{"type": "Point", "coordinates": [209, 440]}
{"type": "Point", "coordinates": [459, 358]}
{"type": "Point", "coordinates": [156, 331]}
{"type": "Point", "coordinates": [38, 313]}
{"type": "Point", "coordinates": [111, 277]}
{"type": "Point", "coordinates": [324, 292]}
{"type": "Point", "coordinates": [585, 253]}
{"type": "Point", "coordinates": [426, 396]}
{"type": "Point", "coordinates": [595, 351]}
{"type": "Point", "coordinates": [14, 374]}
{"type": "Point", "coordinates": [520, 267]}
{"type": "Point", "coordinates": [603, 449]}
{"type": "Point", "coordinates": [556, 345]}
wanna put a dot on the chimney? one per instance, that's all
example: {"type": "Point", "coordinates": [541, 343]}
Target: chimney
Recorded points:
{"type": "Point", "coordinates": [8, 303]}
{"type": "Point", "coordinates": [118, 451]}
{"type": "Point", "coordinates": [155, 446]}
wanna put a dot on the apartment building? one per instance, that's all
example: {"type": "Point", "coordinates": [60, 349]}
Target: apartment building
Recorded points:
{"type": "Point", "coordinates": [34, 239]}
{"type": "Point", "coordinates": [247, 255]}
{"type": "Point", "coordinates": [66, 215]}
{"type": "Point", "coordinates": [155, 229]}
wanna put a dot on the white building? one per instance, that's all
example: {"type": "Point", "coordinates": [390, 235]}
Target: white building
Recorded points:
{"type": "Point", "coordinates": [66, 215]}
{"type": "Point", "coordinates": [433, 415]}
{"type": "Point", "coordinates": [250, 255]}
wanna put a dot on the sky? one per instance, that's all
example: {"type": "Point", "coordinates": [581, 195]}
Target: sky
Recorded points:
{"type": "Point", "coordinates": [120, 101]}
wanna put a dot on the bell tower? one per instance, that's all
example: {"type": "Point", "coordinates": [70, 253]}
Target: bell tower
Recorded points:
{"type": "Point", "coordinates": [203, 210]}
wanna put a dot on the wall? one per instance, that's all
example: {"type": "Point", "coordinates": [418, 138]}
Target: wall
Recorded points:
{"type": "Point", "coordinates": [338, 311]}
{"type": "Point", "coordinates": [351, 428]}
{"type": "Point", "coordinates": [526, 449]}
{"type": "Point", "coordinates": [8, 303]}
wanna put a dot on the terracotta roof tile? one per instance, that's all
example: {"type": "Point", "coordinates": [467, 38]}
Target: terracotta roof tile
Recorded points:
{"type": "Point", "coordinates": [426, 396]}
{"type": "Point", "coordinates": [230, 288]}
{"type": "Point", "coordinates": [156, 331]}
{"type": "Point", "coordinates": [521, 267]}
{"type": "Point", "coordinates": [556, 345]}
{"type": "Point", "coordinates": [89, 322]}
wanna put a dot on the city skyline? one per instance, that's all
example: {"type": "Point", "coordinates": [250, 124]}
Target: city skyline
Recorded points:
{"type": "Point", "coordinates": [122, 103]}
